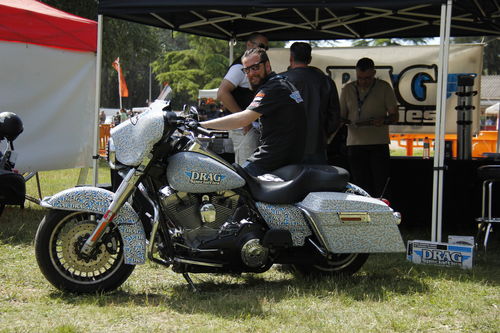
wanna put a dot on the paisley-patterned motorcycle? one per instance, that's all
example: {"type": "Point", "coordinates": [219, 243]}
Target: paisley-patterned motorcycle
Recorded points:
{"type": "Point", "coordinates": [182, 206]}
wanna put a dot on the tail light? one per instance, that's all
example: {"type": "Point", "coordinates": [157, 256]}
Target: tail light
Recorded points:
{"type": "Point", "coordinates": [387, 202]}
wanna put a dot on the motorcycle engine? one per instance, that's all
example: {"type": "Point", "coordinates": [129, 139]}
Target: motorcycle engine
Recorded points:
{"type": "Point", "coordinates": [199, 216]}
{"type": "Point", "coordinates": [213, 221]}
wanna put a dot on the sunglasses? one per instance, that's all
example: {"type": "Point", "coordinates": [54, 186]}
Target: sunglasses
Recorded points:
{"type": "Point", "coordinates": [261, 45]}
{"type": "Point", "coordinates": [253, 68]}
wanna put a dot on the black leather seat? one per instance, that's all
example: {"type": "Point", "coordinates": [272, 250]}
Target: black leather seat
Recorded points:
{"type": "Point", "coordinates": [299, 180]}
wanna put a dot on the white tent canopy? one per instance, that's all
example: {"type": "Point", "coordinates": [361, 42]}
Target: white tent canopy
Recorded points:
{"type": "Point", "coordinates": [492, 110]}
{"type": "Point", "coordinates": [208, 93]}
{"type": "Point", "coordinates": [48, 78]}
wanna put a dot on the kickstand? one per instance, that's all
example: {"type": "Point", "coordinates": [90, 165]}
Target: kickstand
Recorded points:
{"type": "Point", "coordinates": [190, 282]}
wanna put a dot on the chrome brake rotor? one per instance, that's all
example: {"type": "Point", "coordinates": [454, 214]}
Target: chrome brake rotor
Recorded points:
{"type": "Point", "coordinates": [71, 240]}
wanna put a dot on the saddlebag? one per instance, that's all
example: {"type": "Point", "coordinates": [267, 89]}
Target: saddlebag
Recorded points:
{"type": "Point", "coordinates": [12, 188]}
{"type": "Point", "coordinates": [349, 223]}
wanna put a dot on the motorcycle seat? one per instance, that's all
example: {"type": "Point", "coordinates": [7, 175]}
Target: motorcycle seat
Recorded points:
{"type": "Point", "coordinates": [299, 180]}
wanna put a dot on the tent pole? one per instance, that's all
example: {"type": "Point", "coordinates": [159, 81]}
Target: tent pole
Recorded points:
{"type": "Point", "coordinates": [95, 167]}
{"type": "Point", "coordinates": [232, 42]}
{"type": "Point", "coordinates": [437, 196]}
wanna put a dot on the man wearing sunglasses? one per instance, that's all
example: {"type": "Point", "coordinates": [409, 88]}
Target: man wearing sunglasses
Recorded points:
{"type": "Point", "coordinates": [280, 110]}
{"type": "Point", "coordinates": [235, 93]}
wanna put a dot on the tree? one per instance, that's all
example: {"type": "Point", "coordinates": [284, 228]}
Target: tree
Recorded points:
{"type": "Point", "coordinates": [389, 41]}
{"type": "Point", "coordinates": [136, 45]}
{"type": "Point", "coordinates": [201, 66]}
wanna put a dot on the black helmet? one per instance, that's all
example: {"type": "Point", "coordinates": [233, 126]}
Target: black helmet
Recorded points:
{"type": "Point", "coordinates": [10, 126]}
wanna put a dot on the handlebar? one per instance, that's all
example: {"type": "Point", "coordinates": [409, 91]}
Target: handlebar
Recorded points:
{"type": "Point", "coordinates": [172, 118]}
{"type": "Point", "coordinates": [202, 130]}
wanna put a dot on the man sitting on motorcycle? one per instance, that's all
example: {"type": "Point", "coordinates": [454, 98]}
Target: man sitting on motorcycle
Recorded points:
{"type": "Point", "coordinates": [280, 110]}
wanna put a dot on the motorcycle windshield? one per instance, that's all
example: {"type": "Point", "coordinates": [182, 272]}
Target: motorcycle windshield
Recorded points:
{"type": "Point", "coordinates": [135, 137]}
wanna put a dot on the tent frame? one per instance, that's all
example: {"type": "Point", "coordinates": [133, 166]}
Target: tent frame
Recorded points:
{"type": "Point", "coordinates": [347, 22]}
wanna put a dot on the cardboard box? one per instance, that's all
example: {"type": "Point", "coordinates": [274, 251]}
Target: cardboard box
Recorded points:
{"type": "Point", "coordinates": [462, 240]}
{"type": "Point", "coordinates": [441, 254]}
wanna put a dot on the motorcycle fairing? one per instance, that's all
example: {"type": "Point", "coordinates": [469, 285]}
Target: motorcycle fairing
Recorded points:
{"type": "Point", "coordinates": [196, 173]}
{"type": "Point", "coordinates": [379, 233]}
{"type": "Point", "coordinates": [96, 200]}
{"type": "Point", "coordinates": [134, 138]}
{"type": "Point", "coordinates": [285, 217]}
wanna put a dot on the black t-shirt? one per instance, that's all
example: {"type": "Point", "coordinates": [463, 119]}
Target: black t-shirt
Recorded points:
{"type": "Point", "coordinates": [321, 104]}
{"type": "Point", "coordinates": [283, 124]}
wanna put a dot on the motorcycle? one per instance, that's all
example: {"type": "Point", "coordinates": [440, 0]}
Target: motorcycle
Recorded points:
{"type": "Point", "coordinates": [182, 206]}
{"type": "Point", "coordinates": [12, 184]}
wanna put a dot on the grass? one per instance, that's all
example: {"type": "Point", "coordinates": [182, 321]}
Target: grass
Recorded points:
{"type": "Point", "coordinates": [388, 295]}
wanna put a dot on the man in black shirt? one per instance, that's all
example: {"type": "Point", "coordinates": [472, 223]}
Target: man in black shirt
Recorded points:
{"type": "Point", "coordinates": [321, 102]}
{"type": "Point", "coordinates": [280, 110]}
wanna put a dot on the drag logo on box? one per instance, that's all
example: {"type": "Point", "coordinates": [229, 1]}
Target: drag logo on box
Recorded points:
{"type": "Point", "coordinates": [422, 252]}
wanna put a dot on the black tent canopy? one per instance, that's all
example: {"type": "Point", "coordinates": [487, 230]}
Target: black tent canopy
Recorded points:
{"type": "Point", "coordinates": [323, 19]}
{"type": "Point", "coordinates": [309, 20]}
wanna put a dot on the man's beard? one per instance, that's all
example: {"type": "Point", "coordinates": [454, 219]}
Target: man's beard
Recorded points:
{"type": "Point", "coordinates": [256, 86]}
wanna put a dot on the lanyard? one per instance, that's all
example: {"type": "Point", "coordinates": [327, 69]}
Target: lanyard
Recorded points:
{"type": "Point", "coordinates": [362, 101]}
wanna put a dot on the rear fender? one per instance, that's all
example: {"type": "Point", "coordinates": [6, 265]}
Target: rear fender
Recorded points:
{"type": "Point", "coordinates": [97, 200]}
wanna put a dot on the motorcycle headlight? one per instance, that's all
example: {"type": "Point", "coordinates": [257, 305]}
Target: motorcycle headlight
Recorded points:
{"type": "Point", "coordinates": [111, 154]}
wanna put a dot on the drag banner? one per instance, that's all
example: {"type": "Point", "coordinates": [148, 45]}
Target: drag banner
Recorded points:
{"type": "Point", "coordinates": [412, 72]}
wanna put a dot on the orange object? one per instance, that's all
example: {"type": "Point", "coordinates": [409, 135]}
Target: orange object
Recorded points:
{"type": "Point", "coordinates": [121, 78]}
{"type": "Point", "coordinates": [484, 142]}
{"type": "Point", "coordinates": [104, 130]}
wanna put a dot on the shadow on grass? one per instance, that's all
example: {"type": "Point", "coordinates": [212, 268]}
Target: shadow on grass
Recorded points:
{"type": "Point", "coordinates": [384, 277]}
{"type": "Point", "coordinates": [18, 226]}
{"type": "Point", "coordinates": [251, 295]}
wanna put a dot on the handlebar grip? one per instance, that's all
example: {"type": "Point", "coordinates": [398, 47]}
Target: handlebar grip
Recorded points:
{"type": "Point", "coordinates": [203, 131]}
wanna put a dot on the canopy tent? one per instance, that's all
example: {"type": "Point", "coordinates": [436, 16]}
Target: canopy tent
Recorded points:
{"type": "Point", "coordinates": [492, 110]}
{"type": "Point", "coordinates": [309, 20]}
{"type": "Point", "coordinates": [328, 19]}
{"type": "Point", "coordinates": [48, 79]}
{"type": "Point", "coordinates": [208, 93]}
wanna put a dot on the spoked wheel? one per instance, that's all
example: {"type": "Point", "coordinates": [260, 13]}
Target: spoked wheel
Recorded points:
{"type": "Point", "coordinates": [339, 264]}
{"type": "Point", "coordinates": [58, 242]}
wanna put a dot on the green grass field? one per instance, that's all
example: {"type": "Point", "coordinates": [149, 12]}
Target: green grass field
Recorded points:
{"type": "Point", "coordinates": [389, 294]}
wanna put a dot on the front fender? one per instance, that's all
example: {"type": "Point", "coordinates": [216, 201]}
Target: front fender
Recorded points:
{"type": "Point", "coordinates": [97, 200]}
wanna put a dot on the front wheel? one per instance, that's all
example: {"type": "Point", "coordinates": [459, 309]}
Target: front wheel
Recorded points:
{"type": "Point", "coordinates": [339, 264]}
{"type": "Point", "coordinates": [58, 242]}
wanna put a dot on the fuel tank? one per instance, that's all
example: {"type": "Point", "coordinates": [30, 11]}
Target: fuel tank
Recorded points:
{"type": "Point", "coordinates": [193, 172]}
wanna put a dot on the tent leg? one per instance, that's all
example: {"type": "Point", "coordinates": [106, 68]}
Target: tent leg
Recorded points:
{"type": "Point", "coordinates": [30, 175]}
{"type": "Point", "coordinates": [82, 177]}
{"type": "Point", "coordinates": [437, 196]}
{"type": "Point", "coordinates": [38, 185]}
{"type": "Point", "coordinates": [95, 156]}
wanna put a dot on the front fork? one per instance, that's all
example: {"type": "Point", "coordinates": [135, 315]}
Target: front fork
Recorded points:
{"type": "Point", "coordinates": [126, 188]}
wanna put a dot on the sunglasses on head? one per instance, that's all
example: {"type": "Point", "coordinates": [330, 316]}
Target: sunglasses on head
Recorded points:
{"type": "Point", "coordinates": [253, 68]}
{"type": "Point", "coordinates": [262, 46]}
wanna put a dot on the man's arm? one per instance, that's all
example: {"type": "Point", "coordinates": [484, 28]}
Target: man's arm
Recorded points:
{"type": "Point", "coordinates": [224, 95]}
{"type": "Point", "coordinates": [232, 121]}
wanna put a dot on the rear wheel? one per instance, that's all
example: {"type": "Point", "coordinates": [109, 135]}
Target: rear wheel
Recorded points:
{"type": "Point", "coordinates": [58, 242]}
{"type": "Point", "coordinates": [339, 264]}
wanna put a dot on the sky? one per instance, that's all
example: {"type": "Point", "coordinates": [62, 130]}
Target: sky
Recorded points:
{"type": "Point", "coordinates": [348, 42]}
